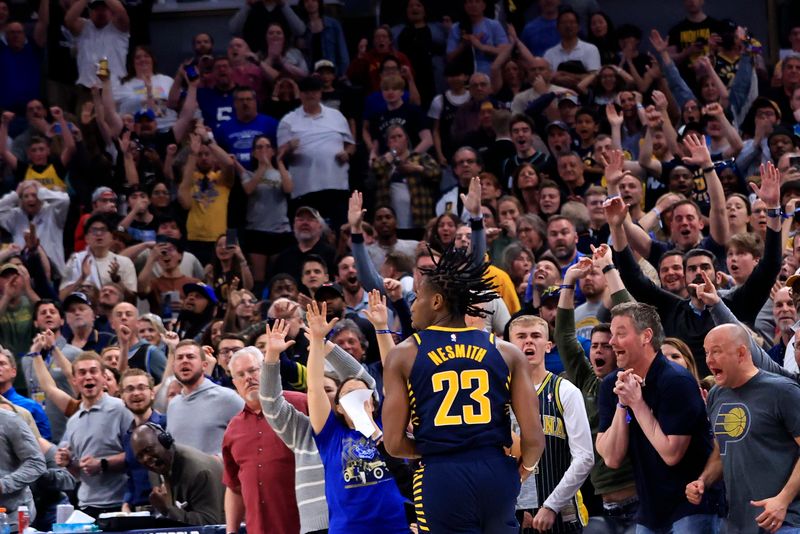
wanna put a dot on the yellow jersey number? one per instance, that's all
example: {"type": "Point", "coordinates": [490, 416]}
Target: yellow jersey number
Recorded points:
{"type": "Point", "coordinates": [451, 382]}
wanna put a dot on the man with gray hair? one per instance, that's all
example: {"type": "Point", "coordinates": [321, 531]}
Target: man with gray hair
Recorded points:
{"type": "Point", "coordinates": [308, 229]}
{"type": "Point", "coordinates": [652, 411]}
{"type": "Point", "coordinates": [755, 425]}
{"type": "Point", "coordinates": [258, 468]}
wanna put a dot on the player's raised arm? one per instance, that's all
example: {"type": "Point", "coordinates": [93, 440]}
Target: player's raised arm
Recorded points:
{"type": "Point", "coordinates": [525, 404]}
{"type": "Point", "coordinates": [396, 411]}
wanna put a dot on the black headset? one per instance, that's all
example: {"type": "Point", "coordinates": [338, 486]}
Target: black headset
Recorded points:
{"type": "Point", "coordinates": [164, 438]}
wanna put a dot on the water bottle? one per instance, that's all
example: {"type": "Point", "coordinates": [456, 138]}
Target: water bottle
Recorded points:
{"type": "Point", "coordinates": [23, 518]}
{"type": "Point", "coordinates": [5, 528]}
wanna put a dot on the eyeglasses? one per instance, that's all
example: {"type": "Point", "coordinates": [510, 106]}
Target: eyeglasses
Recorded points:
{"type": "Point", "coordinates": [466, 162]}
{"type": "Point", "coordinates": [139, 388]}
{"type": "Point", "coordinates": [98, 230]}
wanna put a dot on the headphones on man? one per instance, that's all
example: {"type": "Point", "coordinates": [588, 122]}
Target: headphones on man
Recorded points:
{"type": "Point", "coordinates": [164, 438]}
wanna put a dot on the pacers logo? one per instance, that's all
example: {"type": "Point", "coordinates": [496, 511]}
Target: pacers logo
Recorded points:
{"type": "Point", "coordinates": [731, 425]}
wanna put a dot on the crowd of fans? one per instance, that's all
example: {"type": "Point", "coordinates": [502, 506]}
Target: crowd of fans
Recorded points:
{"type": "Point", "coordinates": [177, 251]}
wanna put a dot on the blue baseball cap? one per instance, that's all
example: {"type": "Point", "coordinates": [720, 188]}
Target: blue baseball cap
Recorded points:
{"type": "Point", "coordinates": [145, 113]}
{"type": "Point", "coordinates": [199, 287]}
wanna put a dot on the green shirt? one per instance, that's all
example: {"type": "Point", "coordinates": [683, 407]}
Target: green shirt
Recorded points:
{"type": "Point", "coordinates": [16, 333]}
{"type": "Point", "coordinates": [579, 371]}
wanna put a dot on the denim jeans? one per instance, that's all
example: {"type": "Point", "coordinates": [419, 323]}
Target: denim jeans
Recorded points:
{"type": "Point", "coordinates": [691, 524]}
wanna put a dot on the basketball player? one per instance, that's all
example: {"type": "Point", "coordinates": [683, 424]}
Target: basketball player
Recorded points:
{"type": "Point", "coordinates": [757, 427]}
{"type": "Point", "coordinates": [552, 500]}
{"type": "Point", "coordinates": [456, 385]}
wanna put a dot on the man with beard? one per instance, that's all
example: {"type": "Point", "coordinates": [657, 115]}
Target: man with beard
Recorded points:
{"type": "Point", "coordinates": [197, 312]}
{"type": "Point", "coordinates": [687, 222]}
{"type": "Point", "coordinates": [140, 354]}
{"type": "Point", "coordinates": [785, 315]}
{"type": "Point", "coordinates": [216, 103]}
{"type": "Point", "coordinates": [190, 489]}
{"type": "Point", "coordinates": [138, 395]}
{"type": "Point", "coordinates": [308, 228]}
{"type": "Point", "coordinates": [198, 416]}
{"type": "Point", "coordinates": [522, 135]}
{"type": "Point", "coordinates": [671, 274]}
{"type": "Point", "coordinates": [687, 318]}
{"type": "Point", "coordinates": [652, 412]}
{"type": "Point", "coordinates": [562, 242]}
{"type": "Point", "coordinates": [258, 468]}
{"type": "Point", "coordinates": [80, 319]}
{"type": "Point", "coordinates": [614, 486]}
{"type": "Point", "coordinates": [549, 500]}
{"type": "Point", "coordinates": [385, 224]}
{"type": "Point", "coordinates": [92, 445]}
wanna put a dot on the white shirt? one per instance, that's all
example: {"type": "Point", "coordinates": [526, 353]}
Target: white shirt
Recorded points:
{"type": "Point", "coordinates": [584, 52]}
{"type": "Point", "coordinates": [314, 166]}
{"type": "Point", "coordinates": [579, 436]}
{"type": "Point", "coordinates": [449, 203]}
{"type": "Point", "coordinates": [132, 96]}
{"type": "Point", "coordinates": [523, 98]}
{"type": "Point", "coordinates": [49, 222]}
{"type": "Point", "coordinates": [100, 268]}
{"type": "Point", "coordinates": [94, 44]}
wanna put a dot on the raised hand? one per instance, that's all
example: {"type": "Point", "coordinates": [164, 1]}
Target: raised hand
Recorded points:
{"type": "Point", "coordinates": [714, 109]}
{"type": "Point", "coordinates": [658, 42]}
{"type": "Point", "coordinates": [394, 289]}
{"type": "Point", "coordinates": [6, 118]}
{"type": "Point", "coordinates": [276, 341]}
{"type": "Point", "coordinates": [706, 291]}
{"type": "Point", "coordinates": [659, 100]}
{"type": "Point", "coordinates": [355, 212]}
{"type": "Point", "coordinates": [316, 318]}
{"type": "Point", "coordinates": [472, 200]}
{"type": "Point", "coordinates": [377, 313]}
{"type": "Point", "coordinates": [698, 152]}
{"type": "Point", "coordinates": [614, 166]}
{"type": "Point", "coordinates": [613, 116]}
{"type": "Point", "coordinates": [770, 189]}
{"type": "Point", "coordinates": [601, 256]}
{"type": "Point", "coordinates": [578, 271]}
{"type": "Point", "coordinates": [616, 210]}
{"type": "Point", "coordinates": [171, 340]}
{"type": "Point", "coordinates": [653, 117]}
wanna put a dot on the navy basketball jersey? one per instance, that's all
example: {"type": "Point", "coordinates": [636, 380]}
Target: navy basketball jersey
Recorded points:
{"type": "Point", "coordinates": [459, 391]}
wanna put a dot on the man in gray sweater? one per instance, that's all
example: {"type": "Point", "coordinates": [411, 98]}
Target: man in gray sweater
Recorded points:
{"type": "Point", "coordinates": [199, 416]}
{"type": "Point", "coordinates": [21, 463]}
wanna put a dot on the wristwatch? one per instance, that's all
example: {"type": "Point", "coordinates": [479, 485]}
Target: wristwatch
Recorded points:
{"type": "Point", "coordinates": [774, 212]}
{"type": "Point", "coordinates": [103, 465]}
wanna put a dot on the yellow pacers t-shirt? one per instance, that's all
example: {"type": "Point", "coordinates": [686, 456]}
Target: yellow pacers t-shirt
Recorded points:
{"type": "Point", "coordinates": [208, 216]}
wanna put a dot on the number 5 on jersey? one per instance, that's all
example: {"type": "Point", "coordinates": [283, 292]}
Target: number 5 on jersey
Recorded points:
{"type": "Point", "coordinates": [451, 382]}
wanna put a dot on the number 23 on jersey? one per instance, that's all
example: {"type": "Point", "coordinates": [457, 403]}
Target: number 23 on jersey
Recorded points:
{"type": "Point", "coordinates": [474, 381]}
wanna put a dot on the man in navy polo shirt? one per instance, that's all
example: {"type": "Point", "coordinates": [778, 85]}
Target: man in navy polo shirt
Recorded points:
{"type": "Point", "coordinates": [236, 135]}
{"type": "Point", "coordinates": [652, 409]}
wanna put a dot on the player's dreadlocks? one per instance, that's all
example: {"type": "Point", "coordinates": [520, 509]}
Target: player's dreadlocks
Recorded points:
{"type": "Point", "coordinates": [461, 280]}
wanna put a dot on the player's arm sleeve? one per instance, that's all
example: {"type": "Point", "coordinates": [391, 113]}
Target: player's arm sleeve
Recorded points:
{"type": "Point", "coordinates": [580, 447]}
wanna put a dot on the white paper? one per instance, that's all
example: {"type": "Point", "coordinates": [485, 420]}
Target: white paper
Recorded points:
{"type": "Point", "coordinates": [353, 406]}
{"type": "Point", "coordinates": [79, 517]}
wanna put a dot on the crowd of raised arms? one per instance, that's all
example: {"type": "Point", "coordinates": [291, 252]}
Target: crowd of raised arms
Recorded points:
{"type": "Point", "coordinates": [204, 273]}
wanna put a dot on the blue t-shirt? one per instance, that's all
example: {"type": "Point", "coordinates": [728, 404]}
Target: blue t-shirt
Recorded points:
{"type": "Point", "coordinates": [236, 137]}
{"type": "Point", "coordinates": [24, 67]}
{"type": "Point", "coordinates": [39, 417]}
{"type": "Point", "coordinates": [361, 492]}
{"type": "Point", "coordinates": [552, 360]}
{"type": "Point", "coordinates": [673, 395]}
{"type": "Point", "coordinates": [216, 106]}
{"type": "Point", "coordinates": [491, 32]}
{"type": "Point", "coordinates": [539, 35]}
